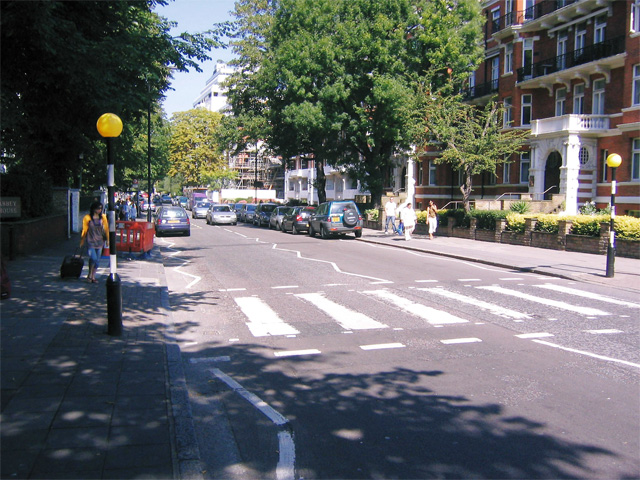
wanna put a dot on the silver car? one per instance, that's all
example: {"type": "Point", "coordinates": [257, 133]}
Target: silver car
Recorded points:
{"type": "Point", "coordinates": [275, 221]}
{"type": "Point", "coordinates": [200, 209]}
{"type": "Point", "coordinates": [221, 214]}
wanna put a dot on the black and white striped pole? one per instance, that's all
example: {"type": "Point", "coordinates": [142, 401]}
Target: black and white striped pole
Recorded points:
{"type": "Point", "coordinates": [614, 160]}
{"type": "Point", "coordinates": [110, 126]}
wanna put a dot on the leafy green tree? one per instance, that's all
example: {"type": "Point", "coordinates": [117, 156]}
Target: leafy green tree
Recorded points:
{"type": "Point", "coordinates": [471, 138]}
{"type": "Point", "coordinates": [193, 151]}
{"type": "Point", "coordinates": [65, 63]}
{"type": "Point", "coordinates": [334, 75]}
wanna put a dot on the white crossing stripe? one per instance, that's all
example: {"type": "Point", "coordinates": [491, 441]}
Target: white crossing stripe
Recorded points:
{"type": "Point", "coordinates": [347, 318]}
{"type": "Point", "coordinates": [296, 353]}
{"type": "Point", "coordinates": [589, 295]}
{"type": "Point", "coordinates": [381, 346]}
{"type": "Point", "coordinates": [544, 301]}
{"type": "Point", "coordinates": [263, 321]}
{"type": "Point", "coordinates": [453, 341]}
{"type": "Point", "coordinates": [535, 335]}
{"type": "Point", "coordinates": [431, 315]}
{"type": "Point", "coordinates": [495, 309]}
{"type": "Point", "coordinates": [605, 330]}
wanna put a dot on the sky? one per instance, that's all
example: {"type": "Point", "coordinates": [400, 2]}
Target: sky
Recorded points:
{"type": "Point", "coordinates": [194, 16]}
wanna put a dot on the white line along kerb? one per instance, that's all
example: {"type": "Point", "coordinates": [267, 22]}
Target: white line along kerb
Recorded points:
{"type": "Point", "coordinates": [285, 469]}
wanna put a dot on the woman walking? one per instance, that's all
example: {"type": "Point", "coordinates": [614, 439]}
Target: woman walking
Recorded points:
{"type": "Point", "coordinates": [408, 217]}
{"type": "Point", "coordinates": [432, 218]}
{"type": "Point", "coordinates": [94, 230]}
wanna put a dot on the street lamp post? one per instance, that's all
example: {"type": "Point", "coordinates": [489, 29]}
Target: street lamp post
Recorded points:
{"type": "Point", "coordinates": [110, 126]}
{"type": "Point", "coordinates": [614, 160]}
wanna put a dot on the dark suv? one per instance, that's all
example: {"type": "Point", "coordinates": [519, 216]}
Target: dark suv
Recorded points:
{"type": "Point", "coordinates": [263, 214]}
{"type": "Point", "coordinates": [336, 217]}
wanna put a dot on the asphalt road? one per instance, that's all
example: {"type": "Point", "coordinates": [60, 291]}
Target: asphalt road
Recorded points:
{"type": "Point", "coordinates": [310, 358]}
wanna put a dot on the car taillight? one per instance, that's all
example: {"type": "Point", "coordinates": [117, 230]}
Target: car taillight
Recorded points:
{"type": "Point", "coordinates": [188, 221]}
{"type": "Point", "coordinates": [299, 218]}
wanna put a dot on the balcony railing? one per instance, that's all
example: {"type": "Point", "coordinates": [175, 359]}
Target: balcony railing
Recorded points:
{"type": "Point", "coordinates": [576, 123]}
{"type": "Point", "coordinates": [480, 90]}
{"type": "Point", "coordinates": [588, 54]}
{"type": "Point", "coordinates": [532, 13]}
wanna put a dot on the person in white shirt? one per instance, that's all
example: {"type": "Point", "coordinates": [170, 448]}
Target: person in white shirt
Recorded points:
{"type": "Point", "coordinates": [390, 213]}
{"type": "Point", "coordinates": [409, 218]}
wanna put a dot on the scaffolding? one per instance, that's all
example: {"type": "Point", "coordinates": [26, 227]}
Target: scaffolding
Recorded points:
{"type": "Point", "coordinates": [256, 170]}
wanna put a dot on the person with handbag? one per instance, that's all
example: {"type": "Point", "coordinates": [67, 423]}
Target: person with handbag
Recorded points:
{"type": "Point", "coordinates": [95, 228]}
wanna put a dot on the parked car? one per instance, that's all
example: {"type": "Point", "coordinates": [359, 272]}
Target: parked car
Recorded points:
{"type": "Point", "coordinates": [336, 217]}
{"type": "Point", "coordinates": [247, 212]}
{"type": "Point", "coordinates": [170, 219]}
{"type": "Point", "coordinates": [221, 214]}
{"type": "Point", "coordinates": [200, 209]}
{"type": "Point", "coordinates": [275, 220]}
{"type": "Point", "coordinates": [263, 213]}
{"type": "Point", "coordinates": [166, 199]}
{"type": "Point", "coordinates": [297, 219]}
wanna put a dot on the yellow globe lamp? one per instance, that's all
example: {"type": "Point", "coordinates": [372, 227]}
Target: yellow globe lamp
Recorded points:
{"type": "Point", "coordinates": [614, 160]}
{"type": "Point", "coordinates": [109, 125]}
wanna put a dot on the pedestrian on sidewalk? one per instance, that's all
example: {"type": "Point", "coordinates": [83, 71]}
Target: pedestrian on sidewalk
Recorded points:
{"type": "Point", "coordinates": [432, 218]}
{"type": "Point", "coordinates": [94, 230]}
{"type": "Point", "coordinates": [390, 213]}
{"type": "Point", "coordinates": [408, 218]}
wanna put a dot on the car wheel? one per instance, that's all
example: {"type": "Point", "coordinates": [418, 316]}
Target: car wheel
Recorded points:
{"type": "Point", "coordinates": [312, 232]}
{"type": "Point", "coordinates": [324, 232]}
{"type": "Point", "coordinates": [234, 223]}
{"type": "Point", "coordinates": [358, 233]}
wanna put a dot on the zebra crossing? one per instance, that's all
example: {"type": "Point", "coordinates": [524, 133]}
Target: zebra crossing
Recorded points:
{"type": "Point", "coordinates": [346, 310]}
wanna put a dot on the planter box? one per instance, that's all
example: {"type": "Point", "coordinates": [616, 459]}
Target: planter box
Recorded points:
{"type": "Point", "coordinates": [545, 240]}
{"type": "Point", "coordinates": [372, 224]}
{"type": "Point", "coordinates": [513, 238]}
{"type": "Point", "coordinates": [628, 248]}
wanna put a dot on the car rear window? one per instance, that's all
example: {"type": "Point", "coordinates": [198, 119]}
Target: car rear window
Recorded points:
{"type": "Point", "coordinates": [174, 213]}
{"type": "Point", "coordinates": [341, 207]}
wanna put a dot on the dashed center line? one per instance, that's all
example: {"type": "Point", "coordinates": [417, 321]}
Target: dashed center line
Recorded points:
{"type": "Point", "coordinates": [381, 346]}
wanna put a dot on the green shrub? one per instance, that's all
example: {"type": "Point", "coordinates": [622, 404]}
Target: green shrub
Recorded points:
{"type": "Point", "coordinates": [463, 219]}
{"type": "Point", "coordinates": [547, 223]}
{"type": "Point", "coordinates": [486, 219]}
{"type": "Point", "coordinates": [372, 214]}
{"type": "Point", "coordinates": [520, 207]}
{"type": "Point", "coordinates": [443, 217]}
{"type": "Point", "coordinates": [515, 222]}
{"type": "Point", "coordinates": [422, 216]}
{"type": "Point", "coordinates": [627, 228]}
{"type": "Point", "coordinates": [588, 225]}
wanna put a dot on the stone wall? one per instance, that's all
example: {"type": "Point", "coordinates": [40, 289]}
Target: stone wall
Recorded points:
{"type": "Point", "coordinates": [25, 237]}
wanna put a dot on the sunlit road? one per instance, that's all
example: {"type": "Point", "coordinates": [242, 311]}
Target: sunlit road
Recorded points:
{"type": "Point", "coordinates": [310, 358]}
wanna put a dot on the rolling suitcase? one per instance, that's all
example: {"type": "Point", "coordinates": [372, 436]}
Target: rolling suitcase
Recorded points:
{"type": "Point", "coordinates": [72, 266]}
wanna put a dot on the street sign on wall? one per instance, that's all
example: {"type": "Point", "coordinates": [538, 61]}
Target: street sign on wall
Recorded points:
{"type": "Point", "coordinates": [10, 207]}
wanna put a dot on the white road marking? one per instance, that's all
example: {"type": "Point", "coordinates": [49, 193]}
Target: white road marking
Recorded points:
{"type": "Point", "coordinates": [286, 457]}
{"type": "Point", "coordinates": [510, 278]}
{"type": "Point", "coordinates": [589, 295]}
{"type": "Point", "coordinates": [232, 290]}
{"type": "Point", "coordinates": [285, 286]}
{"type": "Point", "coordinates": [495, 309]}
{"type": "Point", "coordinates": [589, 354]}
{"type": "Point", "coordinates": [431, 315]}
{"type": "Point", "coordinates": [535, 335]}
{"type": "Point", "coordinates": [544, 301]}
{"type": "Point", "coordinates": [426, 281]}
{"type": "Point", "coordinates": [469, 280]}
{"type": "Point", "coordinates": [224, 358]}
{"type": "Point", "coordinates": [347, 318]}
{"type": "Point", "coordinates": [453, 341]}
{"type": "Point", "coordinates": [381, 346]}
{"type": "Point", "coordinates": [263, 321]}
{"type": "Point", "coordinates": [604, 331]}
{"type": "Point", "coordinates": [296, 353]}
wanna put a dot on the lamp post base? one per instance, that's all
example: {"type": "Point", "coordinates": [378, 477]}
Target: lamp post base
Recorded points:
{"type": "Point", "coordinates": [114, 305]}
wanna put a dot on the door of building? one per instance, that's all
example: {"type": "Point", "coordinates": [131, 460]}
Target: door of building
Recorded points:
{"type": "Point", "coordinates": [552, 175]}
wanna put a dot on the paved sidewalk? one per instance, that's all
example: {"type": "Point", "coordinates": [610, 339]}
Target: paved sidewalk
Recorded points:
{"type": "Point", "coordinates": [578, 266]}
{"type": "Point", "coordinates": [78, 403]}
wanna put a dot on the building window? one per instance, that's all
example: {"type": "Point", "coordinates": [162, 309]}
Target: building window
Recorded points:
{"type": "Point", "coordinates": [506, 172]}
{"type": "Point", "coordinates": [329, 184]}
{"type": "Point", "coordinates": [578, 99]}
{"type": "Point", "coordinates": [561, 50]}
{"type": "Point", "coordinates": [529, 6]}
{"type": "Point", "coordinates": [527, 57]}
{"type": "Point", "coordinates": [291, 185]}
{"type": "Point", "coordinates": [420, 170]}
{"type": "Point", "coordinates": [305, 184]}
{"type": "Point", "coordinates": [635, 160]}
{"type": "Point", "coordinates": [525, 110]}
{"type": "Point", "coordinates": [507, 116]}
{"type": "Point", "coordinates": [599, 29]}
{"type": "Point", "coordinates": [525, 161]}
{"type": "Point", "coordinates": [635, 16]}
{"type": "Point", "coordinates": [304, 163]}
{"type": "Point", "coordinates": [460, 177]}
{"type": "Point", "coordinates": [508, 58]}
{"type": "Point", "coordinates": [598, 97]}
{"type": "Point", "coordinates": [636, 85]}
{"type": "Point", "coordinates": [561, 101]}
{"type": "Point", "coordinates": [580, 39]}
{"type": "Point", "coordinates": [354, 184]}
{"type": "Point", "coordinates": [495, 20]}
{"type": "Point", "coordinates": [495, 72]}
{"type": "Point", "coordinates": [432, 173]}
{"type": "Point", "coordinates": [604, 155]}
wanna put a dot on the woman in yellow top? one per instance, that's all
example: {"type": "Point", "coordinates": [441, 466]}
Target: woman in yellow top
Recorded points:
{"type": "Point", "coordinates": [95, 228]}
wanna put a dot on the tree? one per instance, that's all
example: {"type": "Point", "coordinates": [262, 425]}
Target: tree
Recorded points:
{"type": "Point", "coordinates": [471, 138]}
{"type": "Point", "coordinates": [193, 150]}
{"type": "Point", "coordinates": [332, 77]}
{"type": "Point", "coordinates": [64, 63]}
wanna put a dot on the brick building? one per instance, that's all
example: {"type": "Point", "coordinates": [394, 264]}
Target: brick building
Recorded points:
{"type": "Point", "coordinates": [569, 73]}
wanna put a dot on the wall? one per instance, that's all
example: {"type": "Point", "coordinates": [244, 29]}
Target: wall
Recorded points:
{"type": "Point", "coordinates": [25, 237]}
